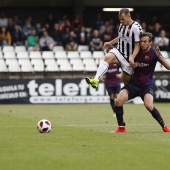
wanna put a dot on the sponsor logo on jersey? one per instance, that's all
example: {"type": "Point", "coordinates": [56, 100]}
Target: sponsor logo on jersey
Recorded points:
{"type": "Point", "coordinates": [146, 57]}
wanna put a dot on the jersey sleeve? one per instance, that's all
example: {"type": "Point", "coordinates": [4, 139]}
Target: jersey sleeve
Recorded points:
{"type": "Point", "coordinates": [137, 31]}
{"type": "Point", "coordinates": [119, 30]}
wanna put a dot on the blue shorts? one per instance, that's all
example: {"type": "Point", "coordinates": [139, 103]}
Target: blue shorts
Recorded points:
{"type": "Point", "coordinates": [113, 90]}
{"type": "Point", "coordinates": [135, 90]}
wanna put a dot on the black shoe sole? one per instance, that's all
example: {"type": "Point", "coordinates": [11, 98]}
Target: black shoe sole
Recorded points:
{"type": "Point", "coordinates": [87, 80]}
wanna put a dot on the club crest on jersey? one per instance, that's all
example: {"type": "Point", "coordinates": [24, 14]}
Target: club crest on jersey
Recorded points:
{"type": "Point", "coordinates": [146, 57]}
{"type": "Point", "coordinates": [128, 30]}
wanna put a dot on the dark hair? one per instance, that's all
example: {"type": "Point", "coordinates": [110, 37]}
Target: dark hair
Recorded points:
{"type": "Point", "coordinates": [125, 11]}
{"type": "Point", "coordinates": [147, 34]}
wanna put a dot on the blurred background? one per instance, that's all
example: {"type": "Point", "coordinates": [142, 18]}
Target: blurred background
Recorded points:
{"type": "Point", "coordinates": [46, 41]}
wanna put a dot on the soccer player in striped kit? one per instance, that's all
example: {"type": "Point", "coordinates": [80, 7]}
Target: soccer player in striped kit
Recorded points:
{"type": "Point", "coordinates": [141, 83]}
{"type": "Point", "coordinates": [112, 82]}
{"type": "Point", "coordinates": [125, 52]}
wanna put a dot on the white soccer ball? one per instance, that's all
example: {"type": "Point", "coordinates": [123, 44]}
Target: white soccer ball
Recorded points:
{"type": "Point", "coordinates": [44, 126]}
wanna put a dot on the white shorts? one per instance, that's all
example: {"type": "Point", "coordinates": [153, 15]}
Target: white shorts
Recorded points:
{"type": "Point", "coordinates": [125, 65]}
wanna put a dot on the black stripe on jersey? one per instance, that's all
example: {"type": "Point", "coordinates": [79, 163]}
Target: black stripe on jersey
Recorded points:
{"type": "Point", "coordinates": [133, 41]}
{"type": "Point", "coordinates": [128, 31]}
{"type": "Point", "coordinates": [128, 45]}
{"type": "Point", "coordinates": [120, 28]}
{"type": "Point", "coordinates": [128, 50]}
{"type": "Point", "coordinates": [118, 45]}
{"type": "Point", "coordinates": [123, 43]}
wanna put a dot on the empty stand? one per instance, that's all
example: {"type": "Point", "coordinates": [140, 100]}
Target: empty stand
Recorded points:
{"type": "Point", "coordinates": [98, 54]}
{"type": "Point", "coordinates": [13, 65]}
{"type": "Point", "coordinates": [8, 48]}
{"type": "Point", "coordinates": [38, 64]}
{"type": "Point", "coordinates": [22, 54]}
{"type": "Point", "coordinates": [64, 64]}
{"type": "Point", "coordinates": [51, 65]}
{"type": "Point", "coordinates": [47, 54]}
{"type": "Point", "coordinates": [3, 67]}
{"type": "Point", "coordinates": [89, 64]}
{"type": "Point", "coordinates": [85, 54]}
{"type": "Point", "coordinates": [35, 55]}
{"type": "Point", "coordinates": [9, 54]}
{"type": "Point", "coordinates": [60, 54]}
{"type": "Point", "coordinates": [165, 54]}
{"type": "Point", "coordinates": [163, 68]}
{"type": "Point", "coordinates": [83, 48]}
{"type": "Point", "coordinates": [58, 48]}
{"type": "Point", "coordinates": [77, 64]}
{"type": "Point", "coordinates": [25, 65]}
{"type": "Point", "coordinates": [1, 55]}
{"type": "Point", "coordinates": [73, 54]}
{"type": "Point", "coordinates": [20, 48]}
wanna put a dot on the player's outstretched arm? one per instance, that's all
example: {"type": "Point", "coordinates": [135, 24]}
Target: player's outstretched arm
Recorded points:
{"type": "Point", "coordinates": [135, 52]}
{"type": "Point", "coordinates": [110, 43]}
{"type": "Point", "coordinates": [164, 62]}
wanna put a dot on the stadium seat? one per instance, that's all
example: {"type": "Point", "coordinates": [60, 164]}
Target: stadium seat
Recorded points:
{"type": "Point", "coordinates": [9, 54]}
{"type": "Point", "coordinates": [1, 55]}
{"type": "Point", "coordinates": [13, 65]}
{"type": "Point", "coordinates": [83, 48]}
{"type": "Point", "coordinates": [165, 54]}
{"type": "Point", "coordinates": [58, 48]}
{"type": "Point", "coordinates": [85, 54]}
{"type": "Point", "coordinates": [51, 65]}
{"type": "Point", "coordinates": [47, 54]}
{"type": "Point", "coordinates": [3, 67]}
{"type": "Point", "coordinates": [25, 65]}
{"type": "Point", "coordinates": [97, 61]}
{"type": "Point", "coordinates": [22, 54]}
{"type": "Point", "coordinates": [60, 54]}
{"type": "Point", "coordinates": [77, 64]}
{"type": "Point", "coordinates": [8, 48]}
{"type": "Point", "coordinates": [35, 55]}
{"type": "Point", "coordinates": [37, 64]}
{"type": "Point", "coordinates": [73, 54]}
{"type": "Point", "coordinates": [158, 67]}
{"type": "Point", "coordinates": [20, 48]}
{"type": "Point", "coordinates": [89, 65]}
{"type": "Point", "coordinates": [163, 68]}
{"type": "Point", "coordinates": [64, 64]}
{"type": "Point", "coordinates": [98, 54]}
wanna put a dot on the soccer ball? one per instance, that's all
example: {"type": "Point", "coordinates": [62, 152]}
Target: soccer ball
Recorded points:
{"type": "Point", "coordinates": [44, 126]}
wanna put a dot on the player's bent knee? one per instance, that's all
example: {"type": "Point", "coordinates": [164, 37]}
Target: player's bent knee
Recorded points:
{"type": "Point", "coordinates": [111, 58]}
{"type": "Point", "coordinates": [149, 107]}
{"type": "Point", "coordinates": [119, 102]}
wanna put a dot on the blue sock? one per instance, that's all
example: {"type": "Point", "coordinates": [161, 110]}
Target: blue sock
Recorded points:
{"type": "Point", "coordinates": [119, 115]}
{"type": "Point", "coordinates": [112, 103]}
{"type": "Point", "coordinates": [155, 113]}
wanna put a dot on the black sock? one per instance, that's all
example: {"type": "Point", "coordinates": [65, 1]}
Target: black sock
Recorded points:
{"type": "Point", "coordinates": [119, 115]}
{"type": "Point", "coordinates": [155, 113]}
{"type": "Point", "coordinates": [112, 103]}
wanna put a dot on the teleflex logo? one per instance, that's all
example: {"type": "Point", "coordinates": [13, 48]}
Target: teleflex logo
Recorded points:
{"type": "Point", "coordinates": [64, 89]}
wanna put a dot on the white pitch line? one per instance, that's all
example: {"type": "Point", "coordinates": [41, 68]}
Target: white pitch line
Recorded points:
{"type": "Point", "coordinates": [95, 125]}
{"type": "Point", "coordinates": [98, 125]}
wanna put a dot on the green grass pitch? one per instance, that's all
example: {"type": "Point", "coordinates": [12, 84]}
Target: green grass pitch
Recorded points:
{"type": "Point", "coordinates": [79, 139]}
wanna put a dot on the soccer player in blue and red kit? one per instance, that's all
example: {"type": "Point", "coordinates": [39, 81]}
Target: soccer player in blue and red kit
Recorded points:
{"type": "Point", "coordinates": [112, 82]}
{"type": "Point", "coordinates": [141, 83]}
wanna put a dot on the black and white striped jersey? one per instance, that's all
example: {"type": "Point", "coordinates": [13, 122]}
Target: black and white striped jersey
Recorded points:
{"type": "Point", "coordinates": [128, 35]}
